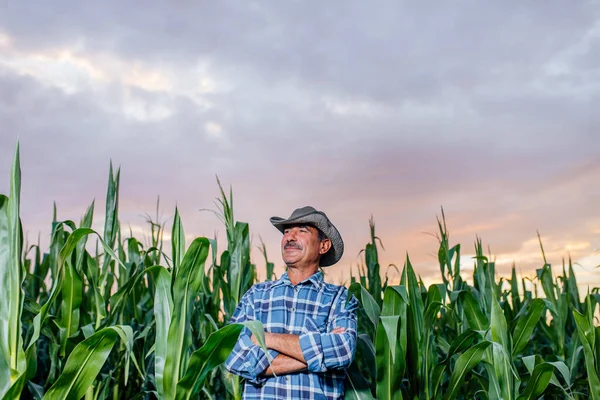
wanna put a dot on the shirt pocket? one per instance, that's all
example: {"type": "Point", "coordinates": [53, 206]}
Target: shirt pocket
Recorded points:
{"type": "Point", "coordinates": [321, 323]}
{"type": "Point", "coordinates": [320, 317]}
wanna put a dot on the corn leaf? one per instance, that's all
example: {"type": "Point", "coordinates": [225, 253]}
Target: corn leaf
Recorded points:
{"type": "Point", "coordinates": [542, 373]}
{"type": "Point", "coordinates": [368, 302]}
{"type": "Point", "coordinates": [525, 325]}
{"type": "Point", "coordinates": [163, 306]}
{"type": "Point", "coordinates": [177, 242]}
{"type": "Point", "coordinates": [14, 362]}
{"type": "Point", "coordinates": [72, 295]}
{"type": "Point", "coordinates": [475, 317]}
{"type": "Point", "coordinates": [462, 342]}
{"type": "Point", "coordinates": [389, 356]}
{"type": "Point", "coordinates": [464, 364]}
{"type": "Point", "coordinates": [85, 362]}
{"type": "Point", "coordinates": [214, 352]}
{"type": "Point", "coordinates": [357, 387]}
{"type": "Point", "coordinates": [584, 330]}
{"type": "Point", "coordinates": [186, 288]}
{"type": "Point", "coordinates": [65, 253]}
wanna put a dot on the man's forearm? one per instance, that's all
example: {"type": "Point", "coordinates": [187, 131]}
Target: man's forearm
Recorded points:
{"type": "Point", "coordinates": [283, 364]}
{"type": "Point", "coordinates": [285, 343]}
{"type": "Point", "coordinates": [288, 344]}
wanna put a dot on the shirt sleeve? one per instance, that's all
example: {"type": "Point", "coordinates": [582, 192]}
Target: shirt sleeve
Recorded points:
{"type": "Point", "coordinates": [247, 359]}
{"type": "Point", "coordinates": [324, 350]}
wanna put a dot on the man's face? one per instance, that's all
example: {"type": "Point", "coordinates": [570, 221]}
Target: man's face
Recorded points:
{"type": "Point", "coordinates": [300, 246]}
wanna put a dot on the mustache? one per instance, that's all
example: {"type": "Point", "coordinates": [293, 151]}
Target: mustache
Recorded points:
{"type": "Point", "coordinates": [292, 245]}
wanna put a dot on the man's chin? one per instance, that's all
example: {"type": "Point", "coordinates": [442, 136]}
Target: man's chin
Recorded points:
{"type": "Point", "coordinates": [290, 263]}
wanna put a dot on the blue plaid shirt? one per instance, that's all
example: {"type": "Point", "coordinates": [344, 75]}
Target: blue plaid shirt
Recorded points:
{"type": "Point", "coordinates": [311, 309]}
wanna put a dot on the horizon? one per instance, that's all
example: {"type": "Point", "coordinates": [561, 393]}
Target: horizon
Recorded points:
{"type": "Point", "coordinates": [340, 272]}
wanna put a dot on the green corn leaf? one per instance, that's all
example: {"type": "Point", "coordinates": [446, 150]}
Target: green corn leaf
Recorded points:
{"type": "Point", "coordinates": [529, 362]}
{"type": "Point", "coordinates": [111, 221]}
{"type": "Point", "coordinates": [65, 253]}
{"type": "Point", "coordinates": [545, 276]}
{"type": "Point", "coordinates": [366, 348]}
{"type": "Point", "coordinates": [564, 371]}
{"type": "Point", "coordinates": [72, 296]}
{"type": "Point", "coordinates": [14, 363]}
{"type": "Point", "coordinates": [436, 378]}
{"type": "Point", "coordinates": [368, 302]}
{"type": "Point", "coordinates": [431, 314]}
{"type": "Point", "coordinates": [395, 303]}
{"type": "Point", "coordinates": [215, 351]}
{"type": "Point", "coordinates": [463, 365]}
{"type": "Point", "coordinates": [91, 271]}
{"type": "Point", "coordinates": [415, 324]}
{"type": "Point", "coordinates": [239, 253]}
{"type": "Point", "coordinates": [85, 362]}
{"type": "Point", "coordinates": [390, 359]}
{"type": "Point", "coordinates": [542, 373]}
{"type": "Point", "coordinates": [462, 342]}
{"type": "Point", "coordinates": [573, 288]}
{"type": "Point", "coordinates": [163, 306]}
{"type": "Point", "coordinates": [186, 287]}
{"type": "Point", "coordinates": [36, 391]}
{"type": "Point", "coordinates": [475, 317]}
{"type": "Point", "coordinates": [525, 325]}
{"type": "Point", "coordinates": [86, 222]}
{"type": "Point", "coordinates": [357, 387]}
{"type": "Point", "coordinates": [395, 300]}
{"type": "Point", "coordinates": [414, 295]}
{"type": "Point", "coordinates": [499, 329]}
{"type": "Point", "coordinates": [430, 359]}
{"type": "Point", "coordinates": [502, 382]}
{"type": "Point", "coordinates": [390, 329]}
{"type": "Point", "coordinates": [584, 327]}
{"type": "Point", "coordinates": [118, 299]}
{"type": "Point", "coordinates": [514, 290]}
{"type": "Point", "coordinates": [177, 242]}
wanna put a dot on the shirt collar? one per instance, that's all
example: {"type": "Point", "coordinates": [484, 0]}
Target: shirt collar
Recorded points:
{"type": "Point", "coordinates": [316, 279]}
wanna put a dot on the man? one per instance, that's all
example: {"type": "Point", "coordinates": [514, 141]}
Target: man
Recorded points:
{"type": "Point", "coordinates": [310, 327]}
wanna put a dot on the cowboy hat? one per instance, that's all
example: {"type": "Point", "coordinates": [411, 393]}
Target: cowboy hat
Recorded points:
{"type": "Point", "coordinates": [308, 215]}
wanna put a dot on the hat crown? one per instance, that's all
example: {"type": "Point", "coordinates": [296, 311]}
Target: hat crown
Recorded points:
{"type": "Point", "coordinates": [298, 212]}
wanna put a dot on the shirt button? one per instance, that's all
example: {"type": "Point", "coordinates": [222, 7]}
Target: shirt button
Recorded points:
{"type": "Point", "coordinates": [293, 309]}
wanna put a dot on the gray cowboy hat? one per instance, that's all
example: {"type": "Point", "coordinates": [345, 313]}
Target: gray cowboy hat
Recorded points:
{"type": "Point", "coordinates": [308, 215]}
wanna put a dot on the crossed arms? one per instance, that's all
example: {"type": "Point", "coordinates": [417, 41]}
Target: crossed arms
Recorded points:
{"type": "Point", "coordinates": [291, 357]}
{"type": "Point", "coordinates": [312, 350]}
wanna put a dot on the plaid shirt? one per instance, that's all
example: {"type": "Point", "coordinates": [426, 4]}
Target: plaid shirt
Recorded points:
{"type": "Point", "coordinates": [310, 310]}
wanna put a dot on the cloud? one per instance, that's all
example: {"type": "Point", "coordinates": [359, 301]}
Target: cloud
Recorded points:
{"type": "Point", "coordinates": [394, 110]}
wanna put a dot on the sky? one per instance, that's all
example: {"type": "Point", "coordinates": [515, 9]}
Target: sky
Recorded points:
{"type": "Point", "coordinates": [389, 109]}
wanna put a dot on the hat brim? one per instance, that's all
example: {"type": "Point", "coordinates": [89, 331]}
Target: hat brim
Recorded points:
{"type": "Point", "coordinates": [320, 221]}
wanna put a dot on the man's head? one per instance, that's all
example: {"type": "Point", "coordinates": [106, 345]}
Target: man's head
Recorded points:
{"type": "Point", "coordinates": [309, 238]}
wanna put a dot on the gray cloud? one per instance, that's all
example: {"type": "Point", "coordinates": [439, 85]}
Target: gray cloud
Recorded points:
{"type": "Point", "coordinates": [485, 108]}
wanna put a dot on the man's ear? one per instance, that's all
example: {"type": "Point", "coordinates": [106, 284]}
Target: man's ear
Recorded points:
{"type": "Point", "coordinates": [324, 246]}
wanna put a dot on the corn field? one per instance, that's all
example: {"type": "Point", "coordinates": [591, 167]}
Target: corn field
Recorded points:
{"type": "Point", "coordinates": [101, 316]}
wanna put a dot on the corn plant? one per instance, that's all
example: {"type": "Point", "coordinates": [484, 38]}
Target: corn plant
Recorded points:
{"type": "Point", "coordinates": [105, 315]}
